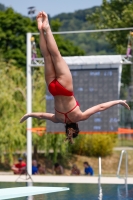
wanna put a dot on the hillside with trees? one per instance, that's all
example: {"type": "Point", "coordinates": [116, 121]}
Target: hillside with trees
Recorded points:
{"type": "Point", "coordinates": [92, 44]}
{"type": "Point", "coordinates": [13, 30]}
{"type": "Point", "coordinates": [120, 17]}
{"type": "Point", "coordinates": [2, 7]}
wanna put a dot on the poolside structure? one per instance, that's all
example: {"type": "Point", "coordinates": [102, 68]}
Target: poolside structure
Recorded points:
{"type": "Point", "coordinates": [10, 193]}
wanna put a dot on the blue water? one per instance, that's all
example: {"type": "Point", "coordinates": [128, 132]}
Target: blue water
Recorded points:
{"type": "Point", "coordinates": [82, 191]}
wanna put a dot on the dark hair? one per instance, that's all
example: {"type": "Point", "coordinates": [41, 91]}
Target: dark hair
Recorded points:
{"type": "Point", "coordinates": [56, 165]}
{"type": "Point", "coordinates": [86, 163]}
{"type": "Point", "coordinates": [75, 134]}
{"type": "Point", "coordinates": [75, 127]}
{"type": "Point", "coordinates": [38, 165]}
{"type": "Point", "coordinates": [20, 159]}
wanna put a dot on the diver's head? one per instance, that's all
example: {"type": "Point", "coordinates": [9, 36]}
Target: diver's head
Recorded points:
{"type": "Point", "coordinates": [72, 131]}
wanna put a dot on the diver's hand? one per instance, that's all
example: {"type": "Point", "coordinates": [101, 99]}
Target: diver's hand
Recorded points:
{"type": "Point", "coordinates": [123, 103]}
{"type": "Point", "coordinates": [25, 117]}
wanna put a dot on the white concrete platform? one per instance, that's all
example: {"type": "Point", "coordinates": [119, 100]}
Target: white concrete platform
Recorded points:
{"type": "Point", "coordinates": [65, 179]}
{"type": "Point", "coordinates": [10, 193]}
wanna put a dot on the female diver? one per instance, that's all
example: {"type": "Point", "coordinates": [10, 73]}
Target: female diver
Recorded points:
{"type": "Point", "coordinates": [59, 81]}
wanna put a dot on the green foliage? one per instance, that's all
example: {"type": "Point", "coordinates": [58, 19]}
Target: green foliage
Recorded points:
{"type": "Point", "coordinates": [126, 75]}
{"type": "Point", "coordinates": [12, 98]}
{"type": "Point", "coordinates": [88, 42]}
{"type": "Point", "coordinates": [13, 30]}
{"type": "Point", "coordinates": [94, 145]}
{"type": "Point", "coordinates": [38, 104]}
{"type": "Point", "coordinates": [115, 14]}
{"type": "Point", "coordinates": [56, 145]}
{"type": "Point", "coordinates": [55, 24]}
{"type": "Point", "coordinates": [66, 48]}
{"type": "Point", "coordinates": [13, 107]}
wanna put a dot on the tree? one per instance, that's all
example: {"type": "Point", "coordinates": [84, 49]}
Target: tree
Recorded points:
{"type": "Point", "coordinates": [115, 14]}
{"type": "Point", "coordinates": [13, 35]}
{"type": "Point", "coordinates": [12, 105]}
{"type": "Point", "coordinates": [66, 47]}
{"type": "Point", "coordinates": [94, 145]}
{"type": "Point", "coordinates": [13, 30]}
{"type": "Point", "coordinates": [86, 41]}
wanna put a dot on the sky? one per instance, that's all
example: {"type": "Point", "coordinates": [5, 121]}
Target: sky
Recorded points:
{"type": "Point", "coordinates": [52, 7]}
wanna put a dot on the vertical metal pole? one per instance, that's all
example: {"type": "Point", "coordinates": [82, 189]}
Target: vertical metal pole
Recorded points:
{"type": "Point", "coordinates": [29, 184]}
{"type": "Point", "coordinates": [29, 105]}
{"type": "Point", "coordinates": [126, 165]}
{"type": "Point", "coordinates": [99, 166]}
{"type": "Point", "coordinates": [99, 180]}
{"type": "Point", "coordinates": [126, 175]}
{"type": "Point", "coordinates": [99, 177]}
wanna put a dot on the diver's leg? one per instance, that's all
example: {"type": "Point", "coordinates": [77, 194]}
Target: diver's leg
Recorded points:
{"type": "Point", "coordinates": [49, 67]}
{"type": "Point", "coordinates": [63, 74]}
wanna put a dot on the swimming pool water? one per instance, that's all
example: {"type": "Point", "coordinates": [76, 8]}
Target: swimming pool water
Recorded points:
{"type": "Point", "coordinates": [81, 191]}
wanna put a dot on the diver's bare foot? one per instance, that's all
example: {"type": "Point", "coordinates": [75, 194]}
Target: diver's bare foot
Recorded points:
{"type": "Point", "coordinates": [39, 20]}
{"type": "Point", "coordinates": [45, 22]}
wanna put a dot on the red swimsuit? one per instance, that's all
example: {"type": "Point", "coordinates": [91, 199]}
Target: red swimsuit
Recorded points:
{"type": "Point", "coordinates": [55, 88]}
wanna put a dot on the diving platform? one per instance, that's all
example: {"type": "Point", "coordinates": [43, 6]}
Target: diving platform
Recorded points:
{"type": "Point", "coordinates": [10, 193]}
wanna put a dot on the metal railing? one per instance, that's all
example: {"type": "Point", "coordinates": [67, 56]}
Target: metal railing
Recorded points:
{"type": "Point", "coordinates": [126, 165]}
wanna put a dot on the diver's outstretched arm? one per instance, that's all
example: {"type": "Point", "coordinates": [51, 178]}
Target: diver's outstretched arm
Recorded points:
{"type": "Point", "coordinates": [102, 107]}
{"type": "Point", "coordinates": [38, 115]}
